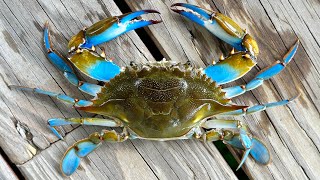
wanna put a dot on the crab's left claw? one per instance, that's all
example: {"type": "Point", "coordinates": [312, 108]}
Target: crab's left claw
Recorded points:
{"type": "Point", "coordinates": [110, 28]}
{"type": "Point", "coordinates": [252, 146]}
{"type": "Point", "coordinates": [220, 25]}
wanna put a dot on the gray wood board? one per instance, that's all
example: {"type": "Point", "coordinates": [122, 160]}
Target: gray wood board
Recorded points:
{"type": "Point", "coordinates": [24, 135]}
{"type": "Point", "coordinates": [5, 170]}
{"type": "Point", "coordinates": [291, 132]}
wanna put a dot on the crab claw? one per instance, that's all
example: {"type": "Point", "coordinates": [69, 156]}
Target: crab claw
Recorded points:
{"type": "Point", "coordinates": [220, 25]}
{"type": "Point", "coordinates": [110, 28]}
{"type": "Point", "coordinates": [252, 146]}
{"type": "Point", "coordinates": [94, 65]}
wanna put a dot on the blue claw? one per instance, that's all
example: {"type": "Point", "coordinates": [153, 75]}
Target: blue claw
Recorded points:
{"type": "Point", "coordinates": [95, 66]}
{"type": "Point", "coordinates": [110, 28]}
{"type": "Point", "coordinates": [220, 25]}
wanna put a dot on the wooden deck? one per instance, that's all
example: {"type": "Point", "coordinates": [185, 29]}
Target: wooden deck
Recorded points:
{"type": "Point", "coordinates": [292, 133]}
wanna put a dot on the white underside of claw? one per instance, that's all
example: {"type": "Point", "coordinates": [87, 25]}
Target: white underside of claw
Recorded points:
{"type": "Point", "coordinates": [218, 31]}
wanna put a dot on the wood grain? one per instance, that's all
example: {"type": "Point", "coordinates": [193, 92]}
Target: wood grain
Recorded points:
{"type": "Point", "coordinates": [292, 132]}
{"type": "Point", "coordinates": [6, 171]}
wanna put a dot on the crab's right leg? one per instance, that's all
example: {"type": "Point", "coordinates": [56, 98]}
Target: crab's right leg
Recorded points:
{"type": "Point", "coordinates": [64, 66]}
{"type": "Point", "coordinates": [258, 107]}
{"type": "Point", "coordinates": [62, 97]}
{"type": "Point", "coordinates": [71, 159]}
{"type": "Point", "coordinates": [263, 75]}
{"type": "Point", "coordinates": [259, 151]}
{"type": "Point", "coordinates": [244, 139]}
{"type": "Point", "coordinates": [53, 123]}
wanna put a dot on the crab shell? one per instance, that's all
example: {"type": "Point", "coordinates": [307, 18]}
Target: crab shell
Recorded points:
{"type": "Point", "coordinates": [160, 100]}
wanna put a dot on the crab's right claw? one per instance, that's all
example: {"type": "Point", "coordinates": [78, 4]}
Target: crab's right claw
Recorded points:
{"type": "Point", "coordinates": [258, 150]}
{"type": "Point", "coordinates": [220, 25]}
{"type": "Point", "coordinates": [110, 28]}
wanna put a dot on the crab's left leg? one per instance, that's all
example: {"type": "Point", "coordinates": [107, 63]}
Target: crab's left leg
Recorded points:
{"type": "Point", "coordinates": [54, 122]}
{"type": "Point", "coordinates": [71, 159]}
{"type": "Point", "coordinates": [245, 140]}
{"type": "Point", "coordinates": [263, 75]}
{"type": "Point", "coordinates": [62, 97]}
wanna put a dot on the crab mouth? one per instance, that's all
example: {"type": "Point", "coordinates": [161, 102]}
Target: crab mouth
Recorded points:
{"type": "Point", "coordinates": [193, 12]}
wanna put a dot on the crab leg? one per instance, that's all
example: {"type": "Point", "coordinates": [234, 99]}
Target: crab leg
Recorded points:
{"type": "Point", "coordinates": [242, 140]}
{"type": "Point", "coordinates": [71, 159]}
{"type": "Point", "coordinates": [263, 75]}
{"type": "Point", "coordinates": [64, 66]}
{"type": "Point", "coordinates": [61, 97]}
{"type": "Point", "coordinates": [259, 107]}
{"type": "Point", "coordinates": [110, 28]}
{"type": "Point", "coordinates": [52, 123]}
{"type": "Point", "coordinates": [220, 25]}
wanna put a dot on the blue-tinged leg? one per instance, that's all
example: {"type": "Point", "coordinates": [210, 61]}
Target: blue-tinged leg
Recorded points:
{"type": "Point", "coordinates": [83, 121]}
{"type": "Point", "coordinates": [263, 75]}
{"type": "Point", "coordinates": [244, 137]}
{"type": "Point", "coordinates": [64, 65]}
{"type": "Point", "coordinates": [61, 97]}
{"type": "Point", "coordinates": [259, 151]}
{"type": "Point", "coordinates": [259, 107]}
{"type": "Point", "coordinates": [71, 159]}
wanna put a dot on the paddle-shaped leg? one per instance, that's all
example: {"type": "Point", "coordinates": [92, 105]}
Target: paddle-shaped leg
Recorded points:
{"type": "Point", "coordinates": [259, 107]}
{"type": "Point", "coordinates": [263, 75]}
{"type": "Point", "coordinates": [71, 159]}
{"type": "Point", "coordinates": [63, 65]}
{"type": "Point", "coordinates": [53, 123]}
{"type": "Point", "coordinates": [241, 140]}
{"type": "Point", "coordinates": [61, 97]}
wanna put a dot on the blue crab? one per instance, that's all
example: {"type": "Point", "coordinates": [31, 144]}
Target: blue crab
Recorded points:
{"type": "Point", "coordinates": [162, 100]}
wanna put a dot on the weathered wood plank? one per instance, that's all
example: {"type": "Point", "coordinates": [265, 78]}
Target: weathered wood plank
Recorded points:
{"type": "Point", "coordinates": [6, 173]}
{"type": "Point", "coordinates": [23, 62]}
{"type": "Point", "coordinates": [292, 132]}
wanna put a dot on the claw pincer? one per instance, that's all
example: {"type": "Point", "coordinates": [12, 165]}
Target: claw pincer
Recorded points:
{"type": "Point", "coordinates": [230, 32]}
{"type": "Point", "coordinates": [220, 25]}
